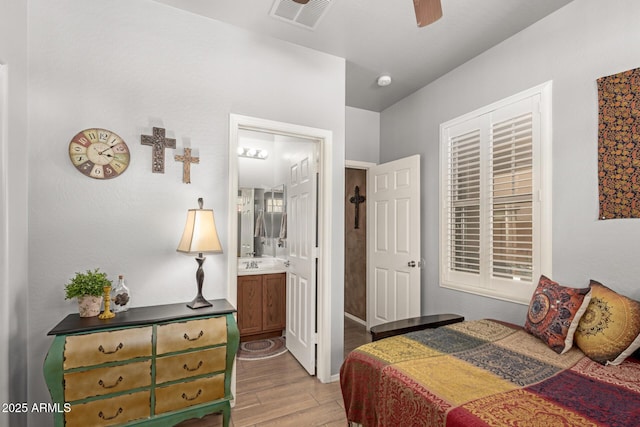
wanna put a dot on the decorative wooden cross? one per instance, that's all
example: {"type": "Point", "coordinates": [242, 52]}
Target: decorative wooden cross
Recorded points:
{"type": "Point", "coordinates": [357, 199]}
{"type": "Point", "coordinates": [186, 160]}
{"type": "Point", "coordinates": [159, 143]}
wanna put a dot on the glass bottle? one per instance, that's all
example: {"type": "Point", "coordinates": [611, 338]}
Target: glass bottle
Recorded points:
{"type": "Point", "coordinates": [120, 296]}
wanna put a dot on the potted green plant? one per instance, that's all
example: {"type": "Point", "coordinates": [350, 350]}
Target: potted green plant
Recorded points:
{"type": "Point", "coordinates": [88, 288]}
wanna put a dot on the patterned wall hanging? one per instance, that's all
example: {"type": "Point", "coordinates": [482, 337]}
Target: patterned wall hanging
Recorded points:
{"type": "Point", "coordinates": [619, 145]}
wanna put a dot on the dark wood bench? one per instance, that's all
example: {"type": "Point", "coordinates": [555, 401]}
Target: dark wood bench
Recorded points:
{"type": "Point", "coordinates": [413, 324]}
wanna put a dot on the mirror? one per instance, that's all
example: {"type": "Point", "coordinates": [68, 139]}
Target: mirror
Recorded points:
{"type": "Point", "coordinates": [262, 221]}
{"type": "Point", "coordinates": [264, 171]}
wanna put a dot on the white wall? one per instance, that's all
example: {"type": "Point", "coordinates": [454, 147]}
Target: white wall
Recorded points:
{"type": "Point", "coordinates": [573, 47]}
{"type": "Point", "coordinates": [13, 208]}
{"type": "Point", "coordinates": [127, 66]}
{"type": "Point", "coordinates": [363, 135]}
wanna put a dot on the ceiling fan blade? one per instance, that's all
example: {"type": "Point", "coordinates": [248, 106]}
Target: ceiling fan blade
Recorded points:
{"type": "Point", "coordinates": [301, 1]}
{"type": "Point", "coordinates": [427, 11]}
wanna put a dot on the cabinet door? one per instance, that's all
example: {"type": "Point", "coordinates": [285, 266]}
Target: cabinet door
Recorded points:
{"type": "Point", "coordinates": [274, 302]}
{"type": "Point", "coordinates": [250, 304]}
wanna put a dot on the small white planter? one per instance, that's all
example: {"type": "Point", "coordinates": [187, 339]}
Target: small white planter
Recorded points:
{"type": "Point", "coordinates": [89, 305]}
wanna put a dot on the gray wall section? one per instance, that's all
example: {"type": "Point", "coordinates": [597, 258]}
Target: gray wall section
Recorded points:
{"type": "Point", "coordinates": [362, 141]}
{"type": "Point", "coordinates": [573, 47]}
{"type": "Point", "coordinates": [115, 76]}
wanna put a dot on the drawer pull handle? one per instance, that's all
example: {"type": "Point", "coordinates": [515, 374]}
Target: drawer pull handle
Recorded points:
{"type": "Point", "coordinates": [102, 384]}
{"type": "Point", "coordinates": [186, 368]}
{"type": "Point", "coordinates": [102, 350]}
{"type": "Point", "coordinates": [185, 397]}
{"type": "Point", "coordinates": [186, 337]}
{"type": "Point", "coordinates": [104, 417]}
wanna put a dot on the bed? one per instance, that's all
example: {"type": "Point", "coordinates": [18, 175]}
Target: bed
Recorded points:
{"type": "Point", "coordinates": [485, 373]}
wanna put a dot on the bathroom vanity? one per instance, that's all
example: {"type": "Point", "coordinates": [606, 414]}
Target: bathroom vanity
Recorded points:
{"type": "Point", "coordinates": [261, 265]}
{"type": "Point", "coordinates": [261, 305]}
{"type": "Point", "coordinates": [262, 298]}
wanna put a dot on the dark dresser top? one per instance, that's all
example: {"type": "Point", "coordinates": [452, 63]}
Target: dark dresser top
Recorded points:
{"type": "Point", "coordinates": [73, 323]}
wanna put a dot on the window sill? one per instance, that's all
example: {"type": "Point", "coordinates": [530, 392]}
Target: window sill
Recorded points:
{"type": "Point", "coordinates": [491, 293]}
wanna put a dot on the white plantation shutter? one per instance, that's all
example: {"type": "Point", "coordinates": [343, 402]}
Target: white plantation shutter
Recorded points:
{"type": "Point", "coordinates": [464, 200]}
{"type": "Point", "coordinates": [511, 195]}
{"type": "Point", "coordinates": [494, 213]}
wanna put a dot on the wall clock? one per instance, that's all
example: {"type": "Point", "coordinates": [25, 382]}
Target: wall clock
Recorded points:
{"type": "Point", "coordinates": [99, 153]}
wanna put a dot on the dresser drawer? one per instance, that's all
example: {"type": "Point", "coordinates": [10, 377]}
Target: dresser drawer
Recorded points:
{"type": "Point", "coordinates": [102, 347]}
{"type": "Point", "coordinates": [101, 381]}
{"type": "Point", "coordinates": [171, 368]}
{"type": "Point", "coordinates": [182, 395]}
{"type": "Point", "coordinates": [107, 412]}
{"type": "Point", "coordinates": [192, 334]}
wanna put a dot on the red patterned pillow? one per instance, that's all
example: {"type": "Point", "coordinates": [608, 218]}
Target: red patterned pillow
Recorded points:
{"type": "Point", "coordinates": [554, 313]}
{"type": "Point", "coordinates": [609, 331]}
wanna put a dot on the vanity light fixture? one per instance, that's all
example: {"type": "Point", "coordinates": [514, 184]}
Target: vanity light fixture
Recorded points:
{"type": "Point", "coordinates": [253, 153]}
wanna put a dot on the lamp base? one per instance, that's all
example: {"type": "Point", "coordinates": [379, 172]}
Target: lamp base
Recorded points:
{"type": "Point", "coordinates": [199, 302]}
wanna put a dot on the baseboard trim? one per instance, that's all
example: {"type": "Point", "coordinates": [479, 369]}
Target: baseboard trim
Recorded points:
{"type": "Point", "coordinates": [355, 319]}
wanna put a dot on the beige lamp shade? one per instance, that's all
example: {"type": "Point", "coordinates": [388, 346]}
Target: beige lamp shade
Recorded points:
{"type": "Point", "coordinates": [200, 234]}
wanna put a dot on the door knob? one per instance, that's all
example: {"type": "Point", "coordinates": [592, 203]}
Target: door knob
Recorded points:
{"type": "Point", "coordinates": [411, 264]}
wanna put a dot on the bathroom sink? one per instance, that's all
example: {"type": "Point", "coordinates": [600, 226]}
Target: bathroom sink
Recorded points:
{"type": "Point", "coordinates": [267, 265]}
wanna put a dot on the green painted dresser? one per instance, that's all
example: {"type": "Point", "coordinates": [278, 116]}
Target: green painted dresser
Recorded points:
{"type": "Point", "coordinates": [149, 366]}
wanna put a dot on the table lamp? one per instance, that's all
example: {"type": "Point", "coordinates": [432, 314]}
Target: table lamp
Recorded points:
{"type": "Point", "coordinates": [200, 236]}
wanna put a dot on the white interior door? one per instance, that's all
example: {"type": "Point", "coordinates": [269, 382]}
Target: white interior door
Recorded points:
{"type": "Point", "coordinates": [393, 274]}
{"type": "Point", "coordinates": [301, 276]}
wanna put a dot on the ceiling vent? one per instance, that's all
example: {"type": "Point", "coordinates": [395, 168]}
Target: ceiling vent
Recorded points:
{"type": "Point", "coordinates": [303, 15]}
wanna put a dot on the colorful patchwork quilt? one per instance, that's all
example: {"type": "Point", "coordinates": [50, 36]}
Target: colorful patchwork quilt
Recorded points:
{"type": "Point", "coordinates": [484, 373]}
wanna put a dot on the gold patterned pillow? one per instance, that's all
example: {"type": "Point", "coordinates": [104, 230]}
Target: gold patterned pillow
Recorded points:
{"type": "Point", "coordinates": [609, 330]}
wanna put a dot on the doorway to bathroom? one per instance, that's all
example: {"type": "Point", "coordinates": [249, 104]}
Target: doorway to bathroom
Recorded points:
{"type": "Point", "coordinates": [297, 166]}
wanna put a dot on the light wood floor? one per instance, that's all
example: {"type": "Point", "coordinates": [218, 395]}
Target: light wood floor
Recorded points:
{"type": "Point", "coordinates": [279, 392]}
{"type": "Point", "coordinates": [355, 334]}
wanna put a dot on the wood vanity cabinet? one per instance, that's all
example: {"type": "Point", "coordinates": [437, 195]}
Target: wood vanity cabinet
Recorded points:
{"type": "Point", "coordinates": [262, 305]}
{"type": "Point", "coordinates": [149, 366]}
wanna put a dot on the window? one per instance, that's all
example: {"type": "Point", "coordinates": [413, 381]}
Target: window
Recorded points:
{"type": "Point", "coordinates": [496, 197]}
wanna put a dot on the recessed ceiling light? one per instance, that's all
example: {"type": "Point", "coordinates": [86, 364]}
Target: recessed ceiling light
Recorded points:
{"type": "Point", "coordinates": [384, 80]}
